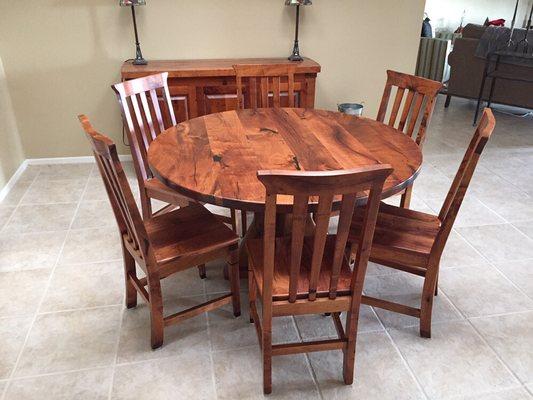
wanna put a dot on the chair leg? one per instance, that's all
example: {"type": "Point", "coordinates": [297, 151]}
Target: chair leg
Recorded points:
{"type": "Point", "coordinates": [352, 317]}
{"type": "Point", "coordinates": [233, 265]}
{"type": "Point", "coordinates": [129, 270]}
{"type": "Point", "coordinates": [252, 291]}
{"type": "Point", "coordinates": [146, 205]}
{"type": "Point", "coordinates": [156, 310]}
{"type": "Point", "coordinates": [225, 272]}
{"type": "Point", "coordinates": [202, 272]}
{"type": "Point", "coordinates": [233, 220]}
{"type": "Point", "coordinates": [405, 201]}
{"type": "Point", "coordinates": [426, 307]}
{"type": "Point", "coordinates": [267, 348]}
{"type": "Point", "coordinates": [447, 102]}
{"type": "Point", "coordinates": [244, 223]}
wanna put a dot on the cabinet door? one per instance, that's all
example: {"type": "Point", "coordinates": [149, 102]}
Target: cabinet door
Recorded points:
{"type": "Point", "coordinates": [183, 100]}
{"type": "Point", "coordinates": [219, 98]}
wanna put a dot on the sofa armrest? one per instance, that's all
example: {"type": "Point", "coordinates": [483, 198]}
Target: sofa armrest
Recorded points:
{"type": "Point", "coordinates": [466, 69]}
{"type": "Point", "coordinates": [463, 52]}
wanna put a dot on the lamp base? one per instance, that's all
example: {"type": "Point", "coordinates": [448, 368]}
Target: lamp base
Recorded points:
{"type": "Point", "coordinates": [140, 61]}
{"type": "Point", "coordinates": [295, 56]}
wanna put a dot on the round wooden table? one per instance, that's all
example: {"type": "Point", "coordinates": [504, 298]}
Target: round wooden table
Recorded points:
{"type": "Point", "coordinates": [214, 159]}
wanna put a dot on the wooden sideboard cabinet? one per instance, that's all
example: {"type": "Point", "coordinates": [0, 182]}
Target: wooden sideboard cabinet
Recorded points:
{"type": "Point", "coordinates": [200, 87]}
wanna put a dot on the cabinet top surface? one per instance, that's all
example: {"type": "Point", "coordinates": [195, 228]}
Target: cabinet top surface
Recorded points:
{"type": "Point", "coordinates": [208, 67]}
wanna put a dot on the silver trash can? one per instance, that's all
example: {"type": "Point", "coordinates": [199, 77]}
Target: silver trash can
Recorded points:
{"type": "Point", "coordinates": [351, 108]}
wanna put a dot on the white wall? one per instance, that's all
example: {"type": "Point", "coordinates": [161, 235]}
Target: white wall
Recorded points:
{"type": "Point", "coordinates": [11, 154]}
{"type": "Point", "coordinates": [446, 14]}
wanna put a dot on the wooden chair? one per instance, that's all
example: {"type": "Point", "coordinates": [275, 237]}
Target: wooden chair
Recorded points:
{"type": "Point", "coordinates": [162, 245]}
{"type": "Point", "coordinates": [419, 90]}
{"type": "Point", "coordinates": [413, 241]}
{"type": "Point", "coordinates": [300, 274]}
{"type": "Point", "coordinates": [263, 86]}
{"type": "Point", "coordinates": [146, 115]}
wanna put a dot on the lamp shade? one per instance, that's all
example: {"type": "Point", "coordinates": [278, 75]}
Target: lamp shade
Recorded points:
{"type": "Point", "coordinates": [125, 3]}
{"type": "Point", "coordinates": [298, 2]}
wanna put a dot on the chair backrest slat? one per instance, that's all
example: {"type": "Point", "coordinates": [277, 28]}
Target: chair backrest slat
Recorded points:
{"type": "Point", "coordinates": [462, 179]}
{"type": "Point", "coordinates": [117, 187]}
{"type": "Point", "coordinates": [263, 82]}
{"type": "Point", "coordinates": [112, 184]}
{"type": "Point", "coordinates": [406, 109]}
{"type": "Point", "coordinates": [420, 90]}
{"type": "Point", "coordinates": [415, 112]}
{"type": "Point", "coordinates": [396, 107]}
{"type": "Point", "coordinates": [345, 220]}
{"type": "Point", "coordinates": [143, 118]}
{"type": "Point", "coordinates": [147, 111]}
{"type": "Point", "coordinates": [299, 221]}
{"type": "Point", "coordinates": [327, 187]}
{"type": "Point", "coordinates": [321, 217]}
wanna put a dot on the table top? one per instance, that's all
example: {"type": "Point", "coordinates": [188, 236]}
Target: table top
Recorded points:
{"type": "Point", "coordinates": [214, 159]}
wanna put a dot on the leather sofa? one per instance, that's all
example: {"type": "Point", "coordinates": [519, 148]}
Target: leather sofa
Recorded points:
{"type": "Point", "coordinates": [467, 73]}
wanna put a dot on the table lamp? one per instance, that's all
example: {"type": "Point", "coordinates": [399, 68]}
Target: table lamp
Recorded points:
{"type": "Point", "coordinates": [139, 60]}
{"type": "Point", "coordinates": [295, 56]}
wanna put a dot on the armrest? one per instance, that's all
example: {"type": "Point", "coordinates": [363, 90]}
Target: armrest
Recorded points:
{"type": "Point", "coordinates": [463, 53]}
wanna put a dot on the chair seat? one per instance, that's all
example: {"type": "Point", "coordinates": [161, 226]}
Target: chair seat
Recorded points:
{"type": "Point", "coordinates": [402, 236]}
{"type": "Point", "coordinates": [188, 231]}
{"type": "Point", "coordinates": [156, 189]}
{"type": "Point", "coordinates": [280, 285]}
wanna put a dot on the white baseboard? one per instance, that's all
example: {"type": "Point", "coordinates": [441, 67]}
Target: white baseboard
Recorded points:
{"type": "Point", "coordinates": [70, 160]}
{"type": "Point", "coordinates": [13, 180]}
{"type": "Point", "coordinates": [44, 161]}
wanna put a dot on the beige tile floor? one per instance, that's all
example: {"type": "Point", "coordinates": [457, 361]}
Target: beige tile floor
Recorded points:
{"type": "Point", "coordinates": [65, 334]}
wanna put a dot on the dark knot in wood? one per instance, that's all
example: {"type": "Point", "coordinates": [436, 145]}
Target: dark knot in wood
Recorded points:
{"type": "Point", "coordinates": [297, 163]}
{"type": "Point", "coordinates": [217, 158]}
{"type": "Point", "coordinates": [268, 130]}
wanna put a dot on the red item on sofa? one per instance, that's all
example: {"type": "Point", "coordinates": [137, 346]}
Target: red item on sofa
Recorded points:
{"type": "Point", "coordinates": [497, 22]}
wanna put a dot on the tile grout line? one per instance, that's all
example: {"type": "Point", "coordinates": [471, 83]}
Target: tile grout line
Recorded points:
{"type": "Point", "coordinates": [69, 371]}
{"type": "Point", "coordinates": [19, 203]}
{"type": "Point", "coordinates": [117, 344]}
{"type": "Point", "coordinates": [493, 264]}
{"type": "Point", "coordinates": [507, 367]}
{"type": "Point", "coordinates": [504, 390]}
{"type": "Point", "coordinates": [45, 291]}
{"type": "Point", "coordinates": [310, 368]}
{"type": "Point", "coordinates": [121, 316]}
{"type": "Point", "coordinates": [34, 316]}
{"type": "Point", "coordinates": [211, 360]}
{"type": "Point", "coordinates": [404, 360]}
{"type": "Point", "coordinates": [485, 341]}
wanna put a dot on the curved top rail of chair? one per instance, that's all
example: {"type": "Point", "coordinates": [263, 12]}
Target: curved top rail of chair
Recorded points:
{"type": "Point", "coordinates": [214, 159]}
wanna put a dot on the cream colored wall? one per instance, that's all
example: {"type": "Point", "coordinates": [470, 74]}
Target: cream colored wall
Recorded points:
{"type": "Point", "coordinates": [447, 14]}
{"type": "Point", "coordinates": [62, 55]}
{"type": "Point", "coordinates": [11, 154]}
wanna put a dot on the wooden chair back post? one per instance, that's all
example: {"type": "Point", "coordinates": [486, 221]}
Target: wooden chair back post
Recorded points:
{"type": "Point", "coordinates": [143, 116]}
{"type": "Point", "coordinates": [264, 80]}
{"type": "Point", "coordinates": [326, 186]}
{"type": "Point", "coordinates": [462, 179]}
{"type": "Point", "coordinates": [418, 90]}
{"type": "Point", "coordinates": [118, 189]}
